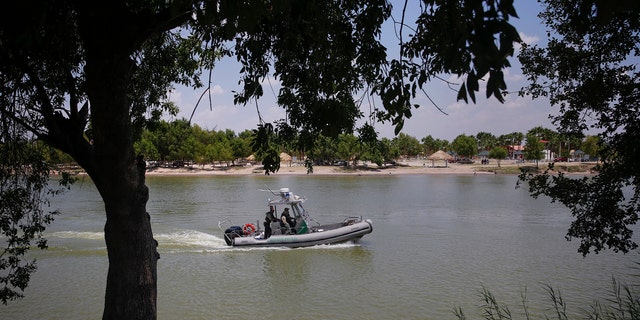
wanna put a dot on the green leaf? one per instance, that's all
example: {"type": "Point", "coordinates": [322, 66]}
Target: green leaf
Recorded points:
{"type": "Point", "coordinates": [462, 93]}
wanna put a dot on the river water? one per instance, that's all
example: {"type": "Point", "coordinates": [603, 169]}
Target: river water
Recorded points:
{"type": "Point", "coordinates": [438, 240]}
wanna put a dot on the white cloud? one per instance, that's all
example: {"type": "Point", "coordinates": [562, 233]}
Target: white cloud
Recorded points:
{"type": "Point", "coordinates": [217, 90]}
{"type": "Point", "coordinates": [529, 39]}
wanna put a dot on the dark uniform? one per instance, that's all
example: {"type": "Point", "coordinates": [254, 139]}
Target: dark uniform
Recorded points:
{"type": "Point", "coordinates": [269, 217]}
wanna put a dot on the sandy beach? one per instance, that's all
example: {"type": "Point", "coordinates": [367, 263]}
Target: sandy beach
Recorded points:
{"type": "Point", "coordinates": [407, 167]}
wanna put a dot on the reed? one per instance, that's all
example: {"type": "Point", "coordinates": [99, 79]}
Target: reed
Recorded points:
{"type": "Point", "coordinates": [621, 303]}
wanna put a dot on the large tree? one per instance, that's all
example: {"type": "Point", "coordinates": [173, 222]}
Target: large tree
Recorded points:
{"type": "Point", "coordinates": [533, 148]}
{"type": "Point", "coordinates": [589, 70]}
{"type": "Point", "coordinates": [498, 153]}
{"type": "Point", "coordinates": [590, 146]}
{"type": "Point", "coordinates": [465, 146]}
{"type": "Point", "coordinates": [86, 77]}
{"type": "Point", "coordinates": [486, 140]}
{"type": "Point", "coordinates": [408, 145]}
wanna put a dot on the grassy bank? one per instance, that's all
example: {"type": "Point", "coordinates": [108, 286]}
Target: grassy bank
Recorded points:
{"type": "Point", "coordinates": [564, 167]}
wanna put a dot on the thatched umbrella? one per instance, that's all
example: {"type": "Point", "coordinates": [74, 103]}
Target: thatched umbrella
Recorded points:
{"type": "Point", "coordinates": [439, 155]}
{"type": "Point", "coordinates": [284, 157]}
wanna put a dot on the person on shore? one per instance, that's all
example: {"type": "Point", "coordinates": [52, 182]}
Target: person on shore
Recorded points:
{"type": "Point", "coordinates": [269, 217]}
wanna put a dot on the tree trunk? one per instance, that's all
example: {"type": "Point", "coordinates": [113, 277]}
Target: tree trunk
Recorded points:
{"type": "Point", "coordinates": [119, 176]}
{"type": "Point", "coordinates": [131, 282]}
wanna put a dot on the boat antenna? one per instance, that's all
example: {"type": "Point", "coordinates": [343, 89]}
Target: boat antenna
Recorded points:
{"type": "Point", "coordinates": [273, 193]}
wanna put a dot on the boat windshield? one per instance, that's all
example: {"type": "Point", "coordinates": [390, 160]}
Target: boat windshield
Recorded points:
{"type": "Point", "coordinates": [296, 211]}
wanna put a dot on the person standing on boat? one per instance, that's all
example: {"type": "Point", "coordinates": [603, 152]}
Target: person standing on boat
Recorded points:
{"type": "Point", "coordinates": [287, 221]}
{"type": "Point", "coordinates": [269, 217]}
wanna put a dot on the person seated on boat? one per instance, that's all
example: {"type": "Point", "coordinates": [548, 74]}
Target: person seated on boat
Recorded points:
{"type": "Point", "coordinates": [287, 222]}
{"type": "Point", "coordinates": [269, 217]}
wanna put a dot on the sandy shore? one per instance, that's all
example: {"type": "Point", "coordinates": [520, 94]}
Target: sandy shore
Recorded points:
{"type": "Point", "coordinates": [409, 167]}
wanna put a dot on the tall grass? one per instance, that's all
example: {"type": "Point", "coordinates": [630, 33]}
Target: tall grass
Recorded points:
{"type": "Point", "coordinates": [621, 303]}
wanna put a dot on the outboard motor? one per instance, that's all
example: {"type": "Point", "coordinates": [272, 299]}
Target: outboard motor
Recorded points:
{"type": "Point", "coordinates": [231, 233]}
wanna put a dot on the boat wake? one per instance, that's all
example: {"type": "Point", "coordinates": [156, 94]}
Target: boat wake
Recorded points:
{"type": "Point", "coordinates": [180, 241]}
{"type": "Point", "coordinates": [77, 235]}
{"type": "Point", "coordinates": [188, 241]}
{"type": "Point", "coordinates": [168, 242]}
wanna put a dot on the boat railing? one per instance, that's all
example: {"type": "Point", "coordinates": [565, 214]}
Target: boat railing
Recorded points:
{"type": "Point", "coordinates": [351, 220]}
{"type": "Point", "coordinates": [309, 220]}
{"type": "Point", "coordinates": [221, 223]}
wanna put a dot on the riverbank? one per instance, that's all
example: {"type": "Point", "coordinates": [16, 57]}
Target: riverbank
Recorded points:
{"type": "Point", "coordinates": [407, 167]}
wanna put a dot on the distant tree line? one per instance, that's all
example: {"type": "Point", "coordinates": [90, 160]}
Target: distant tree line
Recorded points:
{"type": "Point", "coordinates": [180, 141]}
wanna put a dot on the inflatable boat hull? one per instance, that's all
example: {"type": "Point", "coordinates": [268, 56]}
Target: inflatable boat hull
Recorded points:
{"type": "Point", "coordinates": [352, 232]}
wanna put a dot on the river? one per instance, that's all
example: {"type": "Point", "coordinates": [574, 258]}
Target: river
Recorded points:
{"type": "Point", "coordinates": [438, 240]}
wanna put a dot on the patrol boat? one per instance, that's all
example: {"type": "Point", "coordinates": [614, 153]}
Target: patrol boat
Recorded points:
{"type": "Point", "coordinates": [299, 231]}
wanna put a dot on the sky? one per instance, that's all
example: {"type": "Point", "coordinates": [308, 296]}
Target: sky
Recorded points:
{"type": "Point", "coordinates": [516, 114]}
